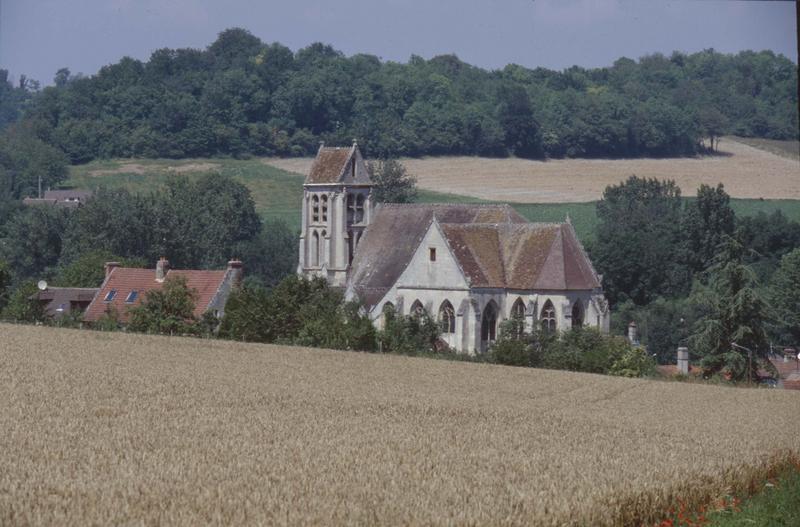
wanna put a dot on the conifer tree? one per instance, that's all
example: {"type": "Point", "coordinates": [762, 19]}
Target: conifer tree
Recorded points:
{"type": "Point", "coordinates": [734, 324]}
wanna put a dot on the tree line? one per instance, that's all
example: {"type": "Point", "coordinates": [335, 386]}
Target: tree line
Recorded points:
{"type": "Point", "coordinates": [241, 96]}
{"type": "Point", "coordinates": [198, 223]}
{"type": "Point", "coordinates": [690, 272]}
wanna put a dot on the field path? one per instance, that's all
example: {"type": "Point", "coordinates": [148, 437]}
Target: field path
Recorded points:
{"type": "Point", "coordinates": [746, 172]}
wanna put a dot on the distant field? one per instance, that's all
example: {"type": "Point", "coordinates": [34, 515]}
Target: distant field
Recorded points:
{"type": "Point", "coordinates": [746, 172]}
{"type": "Point", "coordinates": [127, 429]}
{"type": "Point", "coordinates": [277, 192]}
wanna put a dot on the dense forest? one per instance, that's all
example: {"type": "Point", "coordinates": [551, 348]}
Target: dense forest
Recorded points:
{"type": "Point", "coordinates": [241, 97]}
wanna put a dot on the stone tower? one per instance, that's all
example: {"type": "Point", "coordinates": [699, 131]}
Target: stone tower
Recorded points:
{"type": "Point", "coordinates": [337, 207]}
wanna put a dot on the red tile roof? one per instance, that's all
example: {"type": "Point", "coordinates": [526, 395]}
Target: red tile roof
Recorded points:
{"type": "Point", "coordinates": [124, 280]}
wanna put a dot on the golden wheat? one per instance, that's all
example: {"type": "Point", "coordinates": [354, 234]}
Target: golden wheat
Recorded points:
{"type": "Point", "coordinates": [745, 171]}
{"type": "Point", "coordinates": [99, 428]}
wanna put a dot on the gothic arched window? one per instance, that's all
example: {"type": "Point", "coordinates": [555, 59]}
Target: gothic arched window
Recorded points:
{"type": "Point", "coordinates": [548, 318]}
{"type": "Point", "coordinates": [577, 314]}
{"type": "Point", "coordinates": [447, 317]}
{"type": "Point", "coordinates": [325, 207]}
{"type": "Point", "coordinates": [417, 309]}
{"type": "Point", "coordinates": [315, 249]}
{"type": "Point", "coordinates": [321, 248]}
{"type": "Point", "coordinates": [489, 322]}
{"type": "Point", "coordinates": [518, 309]}
{"type": "Point", "coordinates": [315, 208]}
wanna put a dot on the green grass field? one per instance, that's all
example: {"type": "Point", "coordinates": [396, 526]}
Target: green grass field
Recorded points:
{"type": "Point", "coordinates": [777, 504]}
{"type": "Point", "coordinates": [277, 193]}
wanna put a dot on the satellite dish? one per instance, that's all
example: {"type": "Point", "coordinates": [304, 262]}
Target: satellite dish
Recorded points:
{"type": "Point", "coordinates": [42, 285]}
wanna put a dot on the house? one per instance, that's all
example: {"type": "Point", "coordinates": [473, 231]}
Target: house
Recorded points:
{"type": "Point", "coordinates": [60, 301]}
{"type": "Point", "coordinates": [125, 287]}
{"type": "Point", "coordinates": [61, 198]}
{"type": "Point", "coordinates": [467, 266]}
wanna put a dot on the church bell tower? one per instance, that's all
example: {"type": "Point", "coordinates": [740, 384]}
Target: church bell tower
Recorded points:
{"type": "Point", "coordinates": [336, 209]}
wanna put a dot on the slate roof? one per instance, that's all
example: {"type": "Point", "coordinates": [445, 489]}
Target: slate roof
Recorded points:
{"type": "Point", "coordinates": [336, 165]}
{"type": "Point", "coordinates": [126, 279]}
{"type": "Point", "coordinates": [395, 233]}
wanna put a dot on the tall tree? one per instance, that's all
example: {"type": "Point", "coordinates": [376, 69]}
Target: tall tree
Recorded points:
{"type": "Point", "coordinates": [637, 239]}
{"type": "Point", "coordinates": [731, 337]}
{"type": "Point", "coordinates": [707, 222]}
{"type": "Point", "coordinates": [392, 183]}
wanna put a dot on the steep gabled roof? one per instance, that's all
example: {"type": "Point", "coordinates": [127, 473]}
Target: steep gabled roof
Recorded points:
{"type": "Point", "coordinates": [338, 165]}
{"type": "Point", "coordinates": [394, 234]}
{"type": "Point", "coordinates": [521, 256]}
{"type": "Point", "coordinates": [124, 280]}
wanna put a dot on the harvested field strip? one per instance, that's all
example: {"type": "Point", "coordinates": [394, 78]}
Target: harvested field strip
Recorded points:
{"type": "Point", "coordinates": [103, 428]}
{"type": "Point", "coordinates": [746, 172]}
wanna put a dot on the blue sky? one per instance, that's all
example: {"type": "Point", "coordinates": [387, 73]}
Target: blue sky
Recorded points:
{"type": "Point", "coordinates": [39, 36]}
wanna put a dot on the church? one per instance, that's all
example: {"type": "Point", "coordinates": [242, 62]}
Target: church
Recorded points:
{"type": "Point", "coordinates": [467, 266]}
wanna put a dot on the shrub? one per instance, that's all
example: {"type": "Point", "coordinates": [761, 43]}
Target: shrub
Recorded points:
{"type": "Point", "coordinates": [22, 307]}
{"type": "Point", "coordinates": [408, 334]}
{"type": "Point", "coordinates": [168, 311]}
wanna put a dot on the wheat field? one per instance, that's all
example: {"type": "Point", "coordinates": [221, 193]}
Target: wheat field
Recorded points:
{"type": "Point", "coordinates": [746, 172]}
{"type": "Point", "coordinates": [111, 428]}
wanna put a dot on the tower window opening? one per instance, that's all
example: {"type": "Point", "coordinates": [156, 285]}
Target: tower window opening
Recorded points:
{"type": "Point", "coordinates": [359, 211]}
{"type": "Point", "coordinates": [325, 208]}
{"type": "Point", "coordinates": [315, 208]}
{"type": "Point", "coordinates": [351, 209]}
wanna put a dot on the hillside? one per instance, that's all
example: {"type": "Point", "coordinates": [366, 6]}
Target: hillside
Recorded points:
{"type": "Point", "coordinates": [241, 96]}
{"type": "Point", "coordinates": [103, 428]}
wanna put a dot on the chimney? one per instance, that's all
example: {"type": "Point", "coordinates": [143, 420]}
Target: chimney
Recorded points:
{"type": "Point", "coordinates": [235, 267]}
{"type": "Point", "coordinates": [683, 360]}
{"type": "Point", "coordinates": [162, 266]}
{"type": "Point", "coordinates": [633, 336]}
{"type": "Point", "coordinates": [109, 266]}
